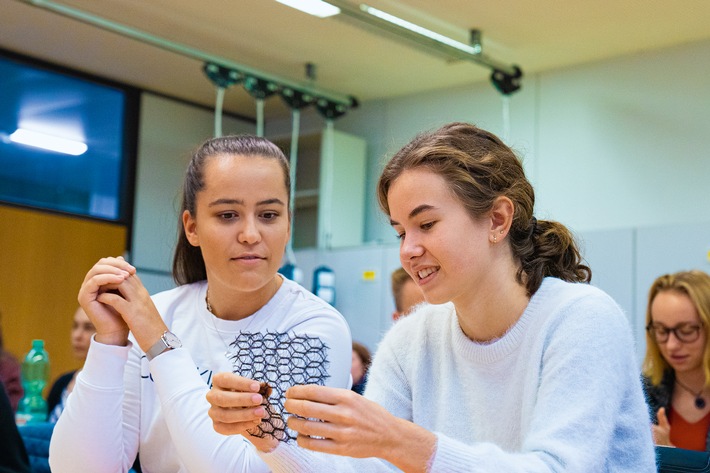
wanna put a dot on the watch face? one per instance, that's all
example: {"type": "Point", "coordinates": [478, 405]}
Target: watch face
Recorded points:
{"type": "Point", "coordinates": [172, 341]}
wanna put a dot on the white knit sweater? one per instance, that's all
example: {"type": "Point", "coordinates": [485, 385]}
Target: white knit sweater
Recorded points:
{"type": "Point", "coordinates": [123, 403]}
{"type": "Point", "coordinates": [559, 392]}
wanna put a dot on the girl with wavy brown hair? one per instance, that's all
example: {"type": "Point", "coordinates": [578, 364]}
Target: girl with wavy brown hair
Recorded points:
{"type": "Point", "coordinates": [515, 365]}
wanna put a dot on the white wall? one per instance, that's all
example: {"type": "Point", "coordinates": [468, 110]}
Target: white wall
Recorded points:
{"type": "Point", "coordinates": [617, 150]}
{"type": "Point", "coordinates": [613, 144]}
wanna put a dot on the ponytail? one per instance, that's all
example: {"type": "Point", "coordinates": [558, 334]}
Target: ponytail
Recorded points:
{"type": "Point", "coordinates": [547, 248]}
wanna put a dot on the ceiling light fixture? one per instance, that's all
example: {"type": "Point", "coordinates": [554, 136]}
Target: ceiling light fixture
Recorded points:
{"type": "Point", "coordinates": [48, 142]}
{"type": "Point", "coordinates": [312, 7]}
{"type": "Point", "coordinates": [470, 49]}
{"type": "Point", "coordinates": [505, 77]}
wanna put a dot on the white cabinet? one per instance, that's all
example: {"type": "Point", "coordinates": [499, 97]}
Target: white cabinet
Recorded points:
{"type": "Point", "coordinates": [330, 189]}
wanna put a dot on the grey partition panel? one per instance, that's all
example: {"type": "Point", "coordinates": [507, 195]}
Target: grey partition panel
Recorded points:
{"type": "Point", "coordinates": [667, 249]}
{"type": "Point", "coordinates": [362, 286]}
{"type": "Point", "coordinates": [391, 263]}
{"type": "Point", "coordinates": [610, 255]}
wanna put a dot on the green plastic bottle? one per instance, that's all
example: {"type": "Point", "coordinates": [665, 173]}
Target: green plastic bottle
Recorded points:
{"type": "Point", "coordinates": [35, 375]}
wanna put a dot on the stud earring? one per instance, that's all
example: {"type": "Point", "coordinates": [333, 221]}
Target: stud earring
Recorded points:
{"type": "Point", "coordinates": [495, 238]}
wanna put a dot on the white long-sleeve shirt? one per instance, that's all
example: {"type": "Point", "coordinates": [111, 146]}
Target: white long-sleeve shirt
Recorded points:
{"type": "Point", "coordinates": [122, 403]}
{"type": "Point", "coordinates": [559, 392]}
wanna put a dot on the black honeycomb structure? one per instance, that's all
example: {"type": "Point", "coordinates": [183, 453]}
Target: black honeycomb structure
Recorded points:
{"type": "Point", "coordinates": [282, 360]}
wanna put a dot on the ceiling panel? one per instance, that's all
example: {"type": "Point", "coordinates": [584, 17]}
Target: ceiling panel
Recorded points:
{"type": "Point", "coordinates": [350, 60]}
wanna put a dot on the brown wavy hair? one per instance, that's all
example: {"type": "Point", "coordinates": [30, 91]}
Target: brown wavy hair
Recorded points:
{"type": "Point", "coordinates": [479, 168]}
{"type": "Point", "coordinates": [188, 264]}
{"type": "Point", "coordinates": [696, 285]}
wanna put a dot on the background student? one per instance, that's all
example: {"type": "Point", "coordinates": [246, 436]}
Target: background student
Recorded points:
{"type": "Point", "coordinates": [13, 456]}
{"type": "Point", "coordinates": [677, 362]}
{"type": "Point", "coordinates": [406, 293]}
{"type": "Point", "coordinates": [360, 366]}
{"type": "Point", "coordinates": [81, 332]}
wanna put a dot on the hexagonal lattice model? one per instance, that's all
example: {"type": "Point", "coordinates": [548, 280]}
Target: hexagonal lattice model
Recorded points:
{"type": "Point", "coordinates": [282, 360]}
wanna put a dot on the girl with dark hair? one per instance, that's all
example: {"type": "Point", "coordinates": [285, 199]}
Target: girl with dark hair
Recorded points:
{"type": "Point", "coordinates": [153, 359]}
{"type": "Point", "coordinates": [81, 332]}
{"type": "Point", "coordinates": [516, 365]}
{"type": "Point", "coordinates": [361, 363]}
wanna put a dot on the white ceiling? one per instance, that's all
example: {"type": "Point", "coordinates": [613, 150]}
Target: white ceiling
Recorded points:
{"type": "Point", "coordinates": [270, 37]}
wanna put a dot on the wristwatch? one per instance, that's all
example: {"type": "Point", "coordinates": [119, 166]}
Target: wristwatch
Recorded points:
{"type": "Point", "coordinates": [168, 341]}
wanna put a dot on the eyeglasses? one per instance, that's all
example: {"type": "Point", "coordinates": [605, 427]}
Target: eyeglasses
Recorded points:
{"type": "Point", "coordinates": [685, 333]}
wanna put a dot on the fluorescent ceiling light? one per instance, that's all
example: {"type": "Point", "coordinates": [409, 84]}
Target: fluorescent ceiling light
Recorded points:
{"type": "Point", "coordinates": [475, 49]}
{"type": "Point", "coordinates": [48, 142]}
{"type": "Point", "coordinates": [312, 7]}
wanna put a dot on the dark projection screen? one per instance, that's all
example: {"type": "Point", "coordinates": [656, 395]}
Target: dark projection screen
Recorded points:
{"type": "Point", "coordinates": [35, 98]}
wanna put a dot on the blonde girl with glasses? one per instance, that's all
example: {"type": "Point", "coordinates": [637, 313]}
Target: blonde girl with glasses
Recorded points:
{"type": "Point", "coordinates": [676, 368]}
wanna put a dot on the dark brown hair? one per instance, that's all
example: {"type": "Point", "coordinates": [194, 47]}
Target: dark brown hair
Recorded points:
{"type": "Point", "coordinates": [188, 264]}
{"type": "Point", "coordinates": [363, 353]}
{"type": "Point", "coordinates": [479, 168]}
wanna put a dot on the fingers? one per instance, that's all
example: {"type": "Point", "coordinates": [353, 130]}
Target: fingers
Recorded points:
{"type": "Point", "coordinates": [661, 436]}
{"type": "Point", "coordinates": [107, 273]}
{"type": "Point", "coordinates": [230, 391]}
{"type": "Point", "coordinates": [662, 418]}
{"type": "Point", "coordinates": [229, 428]}
{"type": "Point", "coordinates": [315, 410]}
{"type": "Point", "coordinates": [116, 266]}
{"type": "Point", "coordinates": [115, 299]}
{"type": "Point", "coordinates": [662, 431]}
{"type": "Point", "coordinates": [129, 290]}
{"type": "Point", "coordinates": [319, 402]}
{"type": "Point", "coordinates": [235, 404]}
{"type": "Point", "coordinates": [316, 428]}
{"type": "Point", "coordinates": [231, 399]}
{"type": "Point", "coordinates": [232, 415]}
{"type": "Point", "coordinates": [318, 444]}
{"type": "Point", "coordinates": [312, 392]}
{"type": "Point", "coordinates": [233, 382]}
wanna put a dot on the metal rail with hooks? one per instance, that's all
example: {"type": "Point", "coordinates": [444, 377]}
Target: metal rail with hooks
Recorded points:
{"type": "Point", "coordinates": [326, 98]}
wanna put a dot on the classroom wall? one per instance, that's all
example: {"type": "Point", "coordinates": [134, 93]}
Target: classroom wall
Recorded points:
{"type": "Point", "coordinates": [616, 150]}
{"type": "Point", "coordinates": [617, 143]}
{"type": "Point", "coordinates": [44, 258]}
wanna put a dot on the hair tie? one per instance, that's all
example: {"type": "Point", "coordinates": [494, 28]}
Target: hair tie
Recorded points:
{"type": "Point", "coordinates": [533, 227]}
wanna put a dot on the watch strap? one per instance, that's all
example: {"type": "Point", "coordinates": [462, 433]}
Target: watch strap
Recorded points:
{"type": "Point", "coordinates": [163, 344]}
